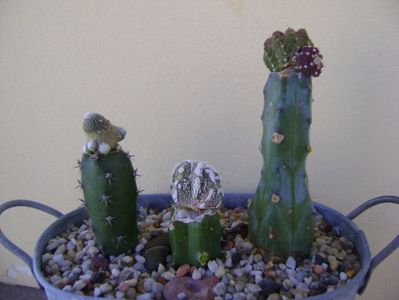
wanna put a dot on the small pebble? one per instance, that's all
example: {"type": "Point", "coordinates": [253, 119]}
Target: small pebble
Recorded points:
{"type": "Point", "coordinates": [140, 259]}
{"type": "Point", "coordinates": [183, 270]}
{"type": "Point", "coordinates": [78, 285]}
{"type": "Point", "coordinates": [219, 289]}
{"type": "Point", "coordinates": [213, 266]}
{"type": "Point", "coordinates": [181, 296]}
{"type": "Point", "coordinates": [343, 276]}
{"type": "Point", "coordinates": [291, 263]}
{"type": "Point", "coordinates": [73, 263]}
{"type": "Point", "coordinates": [196, 275]}
{"type": "Point", "coordinates": [145, 296]}
{"type": "Point", "coordinates": [115, 272]}
{"type": "Point", "coordinates": [105, 288]}
{"type": "Point", "coordinates": [253, 288]}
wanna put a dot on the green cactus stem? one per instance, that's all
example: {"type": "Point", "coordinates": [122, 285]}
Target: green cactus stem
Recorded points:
{"type": "Point", "coordinates": [195, 242]}
{"type": "Point", "coordinates": [195, 230]}
{"type": "Point", "coordinates": [110, 192]}
{"type": "Point", "coordinates": [281, 213]}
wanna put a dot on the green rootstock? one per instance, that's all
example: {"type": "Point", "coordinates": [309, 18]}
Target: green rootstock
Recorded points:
{"type": "Point", "coordinates": [110, 192]}
{"type": "Point", "coordinates": [197, 242]}
{"type": "Point", "coordinates": [281, 213]}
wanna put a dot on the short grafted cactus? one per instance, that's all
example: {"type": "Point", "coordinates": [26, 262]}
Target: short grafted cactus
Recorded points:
{"type": "Point", "coordinates": [195, 230]}
{"type": "Point", "coordinates": [281, 213]}
{"type": "Point", "coordinates": [109, 186]}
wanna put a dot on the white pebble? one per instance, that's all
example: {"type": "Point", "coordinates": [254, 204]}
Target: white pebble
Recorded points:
{"type": "Point", "coordinates": [220, 271]}
{"type": "Point", "coordinates": [78, 285]}
{"type": "Point", "coordinates": [157, 287]}
{"type": "Point", "coordinates": [91, 243]}
{"type": "Point", "coordinates": [166, 216]}
{"type": "Point", "coordinates": [97, 292]}
{"type": "Point", "coordinates": [131, 282]}
{"type": "Point", "coordinates": [343, 276]}
{"type": "Point", "coordinates": [213, 266]}
{"type": "Point", "coordinates": [139, 247]}
{"type": "Point", "coordinates": [55, 278]}
{"type": "Point", "coordinates": [52, 245]}
{"type": "Point", "coordinates": [46, 257]}
{"type": "Point", "coordinates": [67, 288]}
{"type": "Point", "coordinates": [196, 275]}
{"type": "Point", "coordinates": [93, 251]}
{"type": "Point", "coordinates": [148, 283]}
{"type": "Point", "coordinates": [58, 258]}
{"type": "Point", "coordinates": [168, 275]}
{"type": "Point", "coordinates": [86, 265]}
{"type": "Point", "coordinates": [291, 263]}
{"type": "Point", "coordinates": [146, 296]}
{"type": "Point", "coordinates": [219, 289]}
{"type": "Point", "coordinates": [127, 259]}
{"type": "Point", "coordinates": [181, 296]}
{"type": "Point", "coordinates": [253, 288]}
{"type": "Point", "coordinates": [140, 259]}
{"type": "Point", "coordinates": [105, 288]}
{"type": "Point", "coordinates": [115, 272]}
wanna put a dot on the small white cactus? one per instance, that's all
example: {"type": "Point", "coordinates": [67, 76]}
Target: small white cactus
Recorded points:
{"type": "Point", "coordinates": [102, 135]}
{"type": "Point", "coordinates": [196, 185]}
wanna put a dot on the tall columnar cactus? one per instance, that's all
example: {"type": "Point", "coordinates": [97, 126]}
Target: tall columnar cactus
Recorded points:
{"type": "Point", "coordinates": [281, 213]}
{"type": "Point", "coordinates": [109, 186]}
{"type": "Point", "coordinates": [195, 230]}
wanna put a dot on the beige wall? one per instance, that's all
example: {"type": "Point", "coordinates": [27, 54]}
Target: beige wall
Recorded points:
{"type": "Point", "coordinates": [185, 79]}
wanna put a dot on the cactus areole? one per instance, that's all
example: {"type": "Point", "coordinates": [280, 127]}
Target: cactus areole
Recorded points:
{"type": "Point", "coordinates": [109, 186]}
{"type": "Point", "coordinates": [281, 213]}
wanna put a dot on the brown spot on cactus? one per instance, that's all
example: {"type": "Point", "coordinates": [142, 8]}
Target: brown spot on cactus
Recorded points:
{"type": "Point", "coordinates": [277, 138]}
{"type": "Point", "coordinates": [275, 199]}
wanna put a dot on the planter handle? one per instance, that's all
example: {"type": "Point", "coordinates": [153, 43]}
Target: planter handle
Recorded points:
{"type": "Point", "coordinates": [392, 246]}
{"type": "Point", "coordinates": [10, 245]}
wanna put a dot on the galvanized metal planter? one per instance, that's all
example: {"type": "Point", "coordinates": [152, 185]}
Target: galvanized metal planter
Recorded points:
{"type": "Point", "coordinates": [339, 222]}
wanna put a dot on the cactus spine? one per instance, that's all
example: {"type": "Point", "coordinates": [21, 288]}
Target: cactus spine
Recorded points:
{"type": "Point", "coordinates": [109, 186]}
{"type": "Point", "coordinates": [195, 230]}
{"type": "Point", "coordinates": [281, 213]}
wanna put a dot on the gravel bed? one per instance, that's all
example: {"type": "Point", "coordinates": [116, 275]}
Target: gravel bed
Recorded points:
{"type": "Point", "coordinates": [73, 263]}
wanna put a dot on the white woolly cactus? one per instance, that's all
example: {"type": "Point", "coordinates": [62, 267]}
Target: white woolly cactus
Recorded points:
{"type": "Point", "coordinates": [102, 135]}
{"type": "Point", "coordinates": [196, 185]}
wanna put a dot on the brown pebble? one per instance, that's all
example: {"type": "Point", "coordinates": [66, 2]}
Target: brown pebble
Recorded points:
{"type": "Point", "coordinates": [193, 289]}
{"type": "Point", "coordinates": [351, 272]}
{"type": "Point", "coordinates": [229, 244]}
{"type": "Point", "coordinates": [269, 265]}
{"type": "Point", "coordinates": [318, 269]}
{"type": "Point", "coordinates": [183, 270]}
